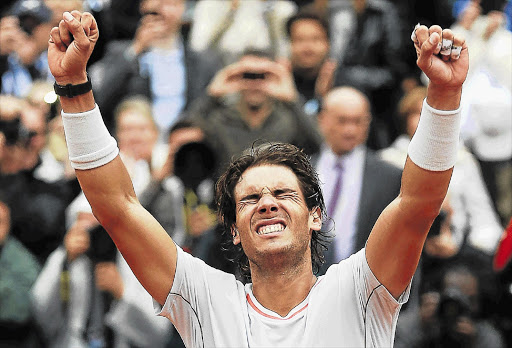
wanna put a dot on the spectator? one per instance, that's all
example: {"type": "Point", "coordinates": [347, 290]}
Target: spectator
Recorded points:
{"type": "Point", "coordinates": [351, 174]}
{"type": "Point", "coordinates": [87, 296]}
{"type": "Point", "coordinates": [18, 272]}
{"type": "Point", "coordinates": [313, 71]}
{"type": "Point", "coordinates": [450, 317]}
{"type": "Point", "coordinates": [38, 207]}
{"type": "Point", "coordinates": [370, 60]}
{"type": "Point", "coordinates": [25, 41]}
{"type": "Point", "coordinates": [47, 129]}
{"type": "Point", "coordinates": [137, 135]}
{"type": "Point", "coordinates": [474, 218]}
{"type": "Point", "coordinates": [487, 101]}
{"type": "Point", "coordinates": [156, 64]}
{"type": "Point", "coordinates": [230, 27]}
{"type": "Point", "coordinates": [253, 99]}
{"type": "Point", "coordinates": [181, 198]}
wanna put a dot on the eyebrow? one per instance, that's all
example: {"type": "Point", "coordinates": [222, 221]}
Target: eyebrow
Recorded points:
{"type": "Point", "coordinates": [274, 192]}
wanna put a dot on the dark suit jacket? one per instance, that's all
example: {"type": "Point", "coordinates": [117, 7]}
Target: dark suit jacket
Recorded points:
{"type": "Point", "coordinates": [381, 185]}
{"type": "Point", "coordinates": [117, 77]}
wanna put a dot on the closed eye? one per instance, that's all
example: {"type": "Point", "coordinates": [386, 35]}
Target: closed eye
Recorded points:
{"type": "Point", "coordinates": [285, 194]}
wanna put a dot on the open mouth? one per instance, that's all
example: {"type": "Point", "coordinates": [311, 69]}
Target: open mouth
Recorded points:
{"type": "Point", "coordinates": [278, 227]}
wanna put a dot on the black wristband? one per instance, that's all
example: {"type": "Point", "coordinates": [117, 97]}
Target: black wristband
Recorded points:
{"type": "Point", "coordinates": [70, 91]}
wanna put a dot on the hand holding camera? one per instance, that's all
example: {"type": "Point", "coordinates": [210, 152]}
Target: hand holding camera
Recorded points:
{"type": "Point", "coordinates": [151, 28]}
{"type": "Point", "coordinates": [254, 73]}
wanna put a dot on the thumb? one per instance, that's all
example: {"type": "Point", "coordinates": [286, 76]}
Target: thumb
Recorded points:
{"type": "Point", "coordinates": [80, 39]}
{"type": "Point", "coordinates": [427, 50]}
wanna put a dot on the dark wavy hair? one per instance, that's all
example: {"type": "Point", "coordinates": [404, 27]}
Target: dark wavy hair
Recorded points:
{"type": "Point", "coordinates": [273, 154]}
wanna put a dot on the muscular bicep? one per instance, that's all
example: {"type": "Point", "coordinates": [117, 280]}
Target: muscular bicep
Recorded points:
{"type": "Point", "coordinates": [146, 247]}
{"type": "Point", "coordinates": [396, 241]}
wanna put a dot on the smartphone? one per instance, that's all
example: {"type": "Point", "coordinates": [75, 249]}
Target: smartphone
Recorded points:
{"type": "Point", "coordinates": [253, 76]}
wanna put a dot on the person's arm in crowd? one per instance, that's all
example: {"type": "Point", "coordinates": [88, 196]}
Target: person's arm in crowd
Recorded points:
{"type": "Point", "coordinates": [484, 226]}
{"type": "Point", "coordinates": [145, 245]}
{"type": "Point", "coordinates": [396, 241]}
{"type": "Point", "coordinates": [215, 18]}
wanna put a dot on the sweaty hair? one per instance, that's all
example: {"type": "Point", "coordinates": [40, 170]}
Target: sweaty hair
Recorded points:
{"type": "Point", "coordinates": [269, 154]}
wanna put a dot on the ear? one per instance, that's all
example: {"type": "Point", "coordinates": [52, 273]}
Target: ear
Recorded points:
{"type": "Point", "coordinates": [235, 234]}
{"type": "Point", "coordinates": [315, 219]}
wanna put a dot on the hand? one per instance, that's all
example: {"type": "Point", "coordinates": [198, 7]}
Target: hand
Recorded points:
{"type": "Point", "coordinates": [109, 279]}
{"type": "Point", "coordinates": [200, 220]}
{"type": "Point", "coordinates": [494, 20]}
{"type": "Point", "coordinates": [470, 13]}
{"type": "Point", "coordinates": [227, 81]}
{"type": "Point", "coordinates": [278, 82]}
{"type": "Point", "coordinates": [77, 240]}
{"type": "Point", "coordinates": [325, 79]}
{"type": "Point", "coordinates": [151, 29]}
{"type": "Point", "coordinates": [70, 46]}
{"type": "Point", "coordinates": [446, 68]}
{"type": "Point", "coordinates": [11, 33]}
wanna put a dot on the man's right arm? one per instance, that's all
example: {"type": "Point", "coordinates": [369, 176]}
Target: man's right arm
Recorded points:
{"type": "Point", "coordinates": [145, 245]}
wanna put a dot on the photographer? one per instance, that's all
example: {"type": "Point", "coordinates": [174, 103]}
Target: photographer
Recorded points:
{"type": "Point", "coordinates": [86, 295]}
{"type": "Point", "coordinates": [38, 209]}
{"type": "Point", "coordinates": [453, 310]}
{"type": "Point", "coordinates": [253, 98]}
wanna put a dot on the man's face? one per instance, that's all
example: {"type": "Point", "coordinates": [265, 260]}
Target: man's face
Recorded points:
{"type": "Point", "coordinates": [273, 222]}
{"type": "Point", "coordinates": [253, 96]}
{"type": "Point", "coordinates": [309, 44]}
{"type": "Point", "coordinates": [136, 135]}
{"type": "Point", "coordinates": [167, 12]}
{"type": "Point", "coordinates": [35, 121]}
{"type": "Point", "coordinates": [344, 124]}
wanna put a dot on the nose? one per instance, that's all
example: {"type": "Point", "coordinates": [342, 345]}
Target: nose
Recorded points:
{"type": "Point", "coordinates": [267, 204]}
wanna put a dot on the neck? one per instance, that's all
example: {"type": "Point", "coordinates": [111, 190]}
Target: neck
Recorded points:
{"type": "Point", "coordinates": [281, 288]}
{"type": "Point", "coordinates": [167, 42]}
{"type": "Point", "coordinates": [255, 116]}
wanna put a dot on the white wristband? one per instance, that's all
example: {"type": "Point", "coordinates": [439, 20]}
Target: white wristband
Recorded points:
{"type": "Point", "coordinates": [90, 145]}
{"type": "Point", "coordinates": [434, 145]}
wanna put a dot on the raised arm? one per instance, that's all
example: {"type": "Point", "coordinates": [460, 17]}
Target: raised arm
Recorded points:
{"type": "Point", "coordinates": [145, 245]}
{"type": "Point", "coordinates": [396, 241]}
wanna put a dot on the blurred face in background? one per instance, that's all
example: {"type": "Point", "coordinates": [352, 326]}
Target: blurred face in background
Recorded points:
{"type": "Point", "coordinates": [253, 96]}
{"type": "Point", "coordinates": [344, 120]}
{"type": "Point", "coordinates": [136, 134]}
{"type": "Point", "coordinates": [34, 119]}
{"type": "Point", "coordinates": [164, 12]}
{"type": "Point", "coordinates": [309, 44]}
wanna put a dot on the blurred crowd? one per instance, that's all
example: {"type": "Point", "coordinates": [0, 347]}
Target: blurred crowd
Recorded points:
{"type": "Point", "coordinates": [186, 85]}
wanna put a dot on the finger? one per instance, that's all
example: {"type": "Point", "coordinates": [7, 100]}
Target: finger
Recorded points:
{"type": "Point", "coordinates": [65, 35]}
{"type": "Point", "coordinates": [458, 43]}
{"type": "Point", "coordinates": [447, 42]}
{"type": "Point", "coordinates": [422, 35]}
{"type": "Point", "coordinates": [436, 29]}
{"type": "Point", "coordinates": [55, 40]}
{"type": "Point", "coordinates": [80, 39]}
{"type": "Point", "coordinates": [89, 23]}
{"type": "Point", "coordinates": [427, 50]}
{"type": "Point", "coordinates": [413, 34]}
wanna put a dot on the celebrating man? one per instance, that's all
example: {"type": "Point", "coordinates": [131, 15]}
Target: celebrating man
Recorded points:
{"type": "Point", "coordinates": [270, 202]}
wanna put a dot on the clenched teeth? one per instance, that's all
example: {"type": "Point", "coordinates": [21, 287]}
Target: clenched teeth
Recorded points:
{"type": "Point", "coordinates": [270, 228]}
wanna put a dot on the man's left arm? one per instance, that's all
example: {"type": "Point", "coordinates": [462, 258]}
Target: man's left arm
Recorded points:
{"type": "Point", "coordinates": [396, 241]}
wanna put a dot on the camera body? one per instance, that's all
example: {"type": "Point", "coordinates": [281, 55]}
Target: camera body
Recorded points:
{"type": "Point", "coordinates": [253, 76]}
{"type": "Point", "coordinates": [15, 132]}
